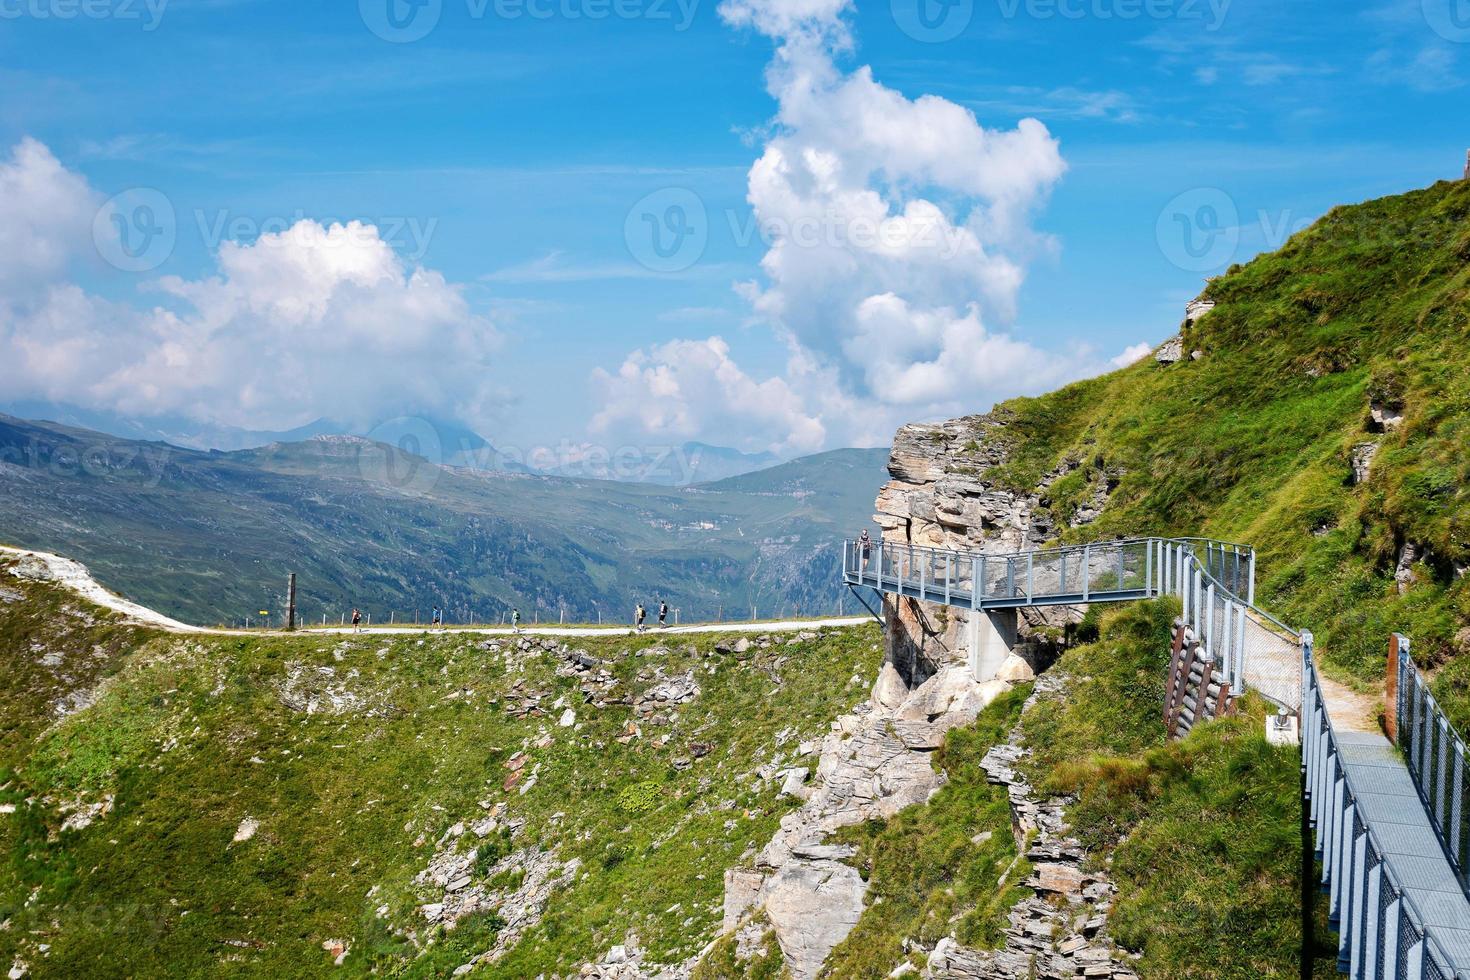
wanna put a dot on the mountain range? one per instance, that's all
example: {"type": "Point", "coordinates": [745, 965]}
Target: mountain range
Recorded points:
{"type": "Point", "coordinates": [436, 439]}
{"type": "Point", "coordinates": [210, 536]}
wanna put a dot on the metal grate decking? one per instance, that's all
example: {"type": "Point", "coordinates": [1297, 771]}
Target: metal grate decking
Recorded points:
{"type": "Point", "coordinates": [1399, 906]}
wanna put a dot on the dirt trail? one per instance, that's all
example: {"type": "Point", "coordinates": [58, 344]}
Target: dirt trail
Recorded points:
{"type": "Point", "coordinates": [42, 566]}
{"type": "Point", "coordinates": [1349, 710]}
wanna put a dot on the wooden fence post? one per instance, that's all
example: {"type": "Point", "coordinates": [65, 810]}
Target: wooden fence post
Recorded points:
{"type": "Point", "coordinates": [1391, 690]}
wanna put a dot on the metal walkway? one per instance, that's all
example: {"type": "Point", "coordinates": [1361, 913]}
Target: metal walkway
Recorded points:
{"type": "Point", "coordinates": [1398, 905]}
{"type": "Point", "coordinates": [1385, 832]}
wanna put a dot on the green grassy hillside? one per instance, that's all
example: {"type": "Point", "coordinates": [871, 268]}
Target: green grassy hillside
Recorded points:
{"type": "Point", "coordinates": [256, 804]}
{"type": "Point", "coordinates": [1253, 441]}
{"type": "Point", "coordinates": [1201, 835]}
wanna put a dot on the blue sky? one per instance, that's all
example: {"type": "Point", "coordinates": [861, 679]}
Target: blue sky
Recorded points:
{"type": "Point", "coordinates": [504, 152]}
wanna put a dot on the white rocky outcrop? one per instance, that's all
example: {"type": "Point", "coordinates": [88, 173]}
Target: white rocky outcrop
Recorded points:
{"type": "Point", "coordinates": [874, 763]}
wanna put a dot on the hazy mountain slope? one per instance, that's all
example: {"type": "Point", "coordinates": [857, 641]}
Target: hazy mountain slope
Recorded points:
{"type": "Point", "coordinates": [1311, 353]}
{"type": "Point", "coordinates": [209, 537]}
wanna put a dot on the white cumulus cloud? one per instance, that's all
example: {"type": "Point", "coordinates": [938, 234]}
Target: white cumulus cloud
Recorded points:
{"type": "Point", "coordinates": [313, 321]}
{"type": "Point", "coordinates": [1132, 355]}
{"type": "Point", "coordinates": [687, 388]}
{"type": "Point", "coordinates": [899, 232]}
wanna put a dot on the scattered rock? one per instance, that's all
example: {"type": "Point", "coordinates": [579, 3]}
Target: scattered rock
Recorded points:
{"type": "Point", "coordinates": [1362, 462]}
{"type": "Point", "coordinates": [1172, 351]}
{"type": "Point", "coordinates": [1060, 931]}
{"type": "Point", "coordinates": [1404, 575]}
{"type": "Point", "coordinates": [247, 829]}
{"type": "Point", "coordinates": [1197, 309]}
{"type": "Point", "coordinates": [337, 949]}
{"type": "Point", "coordinates": [1383, 417]}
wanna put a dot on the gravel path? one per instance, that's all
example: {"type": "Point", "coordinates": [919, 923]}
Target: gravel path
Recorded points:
{"type": "Point", "coordinates": [41, 566]}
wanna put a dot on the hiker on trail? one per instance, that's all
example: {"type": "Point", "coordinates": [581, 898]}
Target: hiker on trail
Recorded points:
{"type": "Point", "coordinates": [865, 545]}
{"type": "Point", "coordinates": [356, 621]}
{"type": "Point", "coordinates": [640, 615]}
{"type": "Point", "coordinates": [515, 620]}
{"type": "Point", "coordinates": [663, 614]}
{"type": "Point", "coordinates": [438, 618]}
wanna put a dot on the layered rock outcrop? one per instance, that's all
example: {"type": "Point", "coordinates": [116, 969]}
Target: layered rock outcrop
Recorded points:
{"type": "Point", "coordinates": [874, 762]}
{"type": "Point", "coordinates": [941, 495]}
{"type": "Point", "coordinates": [1060, 928]}
{"type": "Point", "coordinates": [877, 760]}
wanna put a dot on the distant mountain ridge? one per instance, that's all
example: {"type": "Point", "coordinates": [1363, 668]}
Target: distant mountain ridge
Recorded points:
{"type": "Point", "coordinates": [436, 439]}
{"type": "Point", "coordinates": [209, 536]}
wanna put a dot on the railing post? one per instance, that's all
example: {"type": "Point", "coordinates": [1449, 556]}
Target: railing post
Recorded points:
{"type": "Point", "coordinates": [948, 578]}
{"type": "Point", "coordinates": [1148, 569]}
{"type": "Point", "coordinates": [1122, 583]}
{"type": "Point", "coordinates": [977, 582]}
{"type": "Point", "coordinates": [1086, 571]}
{"type": "Point", "coordinates": [1210, 621]}
{"type": "Point", "coordinates": [1240, 618]}
{"type": "Point", "coordinates": [1184, 591]}
{"type": "Point", "coordinates": [1227, 644]}
{"type": "Point", "coordinates": [1197, 600]}
{"type": "Point", "coordinates": [1251, 584]}
{"type": "Point", "coordinates": [879, 557]}
{"type": "Point", "coordinates": [923, 579]}
{"type": "Point", "coordinates": [1398, 645]}
{"type": "Point", "coordinates": [1031, 576]}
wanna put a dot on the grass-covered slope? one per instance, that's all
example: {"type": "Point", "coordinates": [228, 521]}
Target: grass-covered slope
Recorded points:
{"type": "Point", "coordinates": [1253, 441]}
{"type": "Point", "coordinates": [1201, 835]}
{"type": "Point", "coordinates": [254, 800]}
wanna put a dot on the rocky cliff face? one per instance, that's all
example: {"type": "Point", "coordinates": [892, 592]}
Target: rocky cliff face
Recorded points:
{"type": "Point", "coordinates": [941, 495]}
{"type": "Point", "coordinates": [877, 760]}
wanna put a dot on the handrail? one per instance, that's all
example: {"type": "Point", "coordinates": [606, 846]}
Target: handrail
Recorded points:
{"type": "Point", "coordinates": [1435, 753]}
{"type": "Point", "coordinates": [1382, 927]}
{"type": "Point", "coordinates": [1205, 572]}
{"type": "Point", "coordinates": [1385, 926]}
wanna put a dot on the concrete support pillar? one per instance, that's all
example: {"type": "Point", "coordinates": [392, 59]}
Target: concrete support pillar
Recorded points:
{"type": "Point", "coordinates": [993, 637]}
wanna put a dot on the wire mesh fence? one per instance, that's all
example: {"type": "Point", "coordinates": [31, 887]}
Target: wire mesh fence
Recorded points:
{"type": "Point", "coordinates": [1436, 756]}
{"type": "Point", "coordinates": [1382, 932]}
{"type": "Point", "coordinates": [1215, 580]}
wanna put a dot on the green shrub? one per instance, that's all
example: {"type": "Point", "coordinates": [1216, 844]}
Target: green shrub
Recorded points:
{"type": "Point", "coordinates": [641, 797]}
